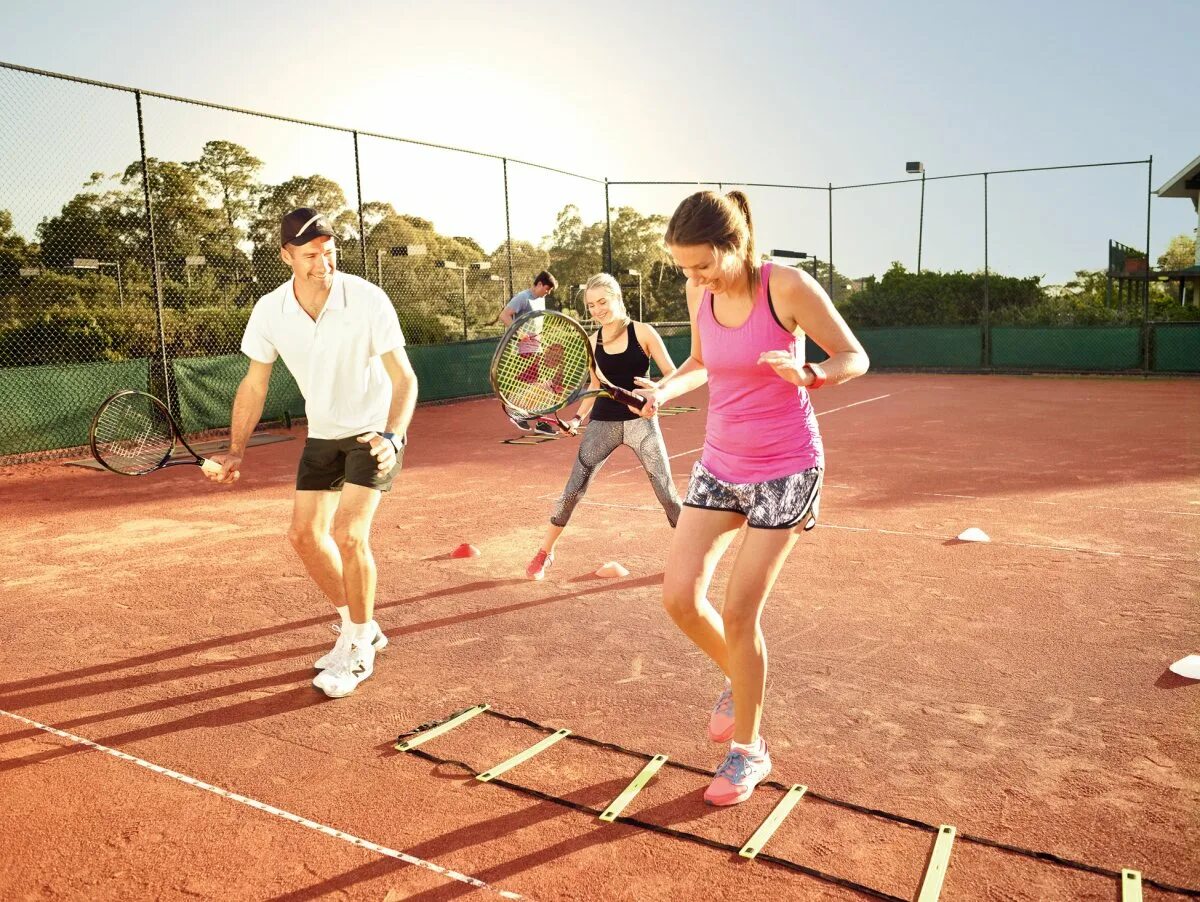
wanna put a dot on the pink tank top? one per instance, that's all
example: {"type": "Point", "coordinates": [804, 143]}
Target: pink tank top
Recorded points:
{"type": "Point", "coordinates": [760, 427]}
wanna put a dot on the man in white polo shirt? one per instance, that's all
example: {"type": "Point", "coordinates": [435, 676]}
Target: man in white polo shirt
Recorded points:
{"type": "Point", "coordinates": [341, 339]}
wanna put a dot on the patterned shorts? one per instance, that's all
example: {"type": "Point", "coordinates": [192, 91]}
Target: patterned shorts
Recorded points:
{"type": "Point", "coordinates": [782, 503]}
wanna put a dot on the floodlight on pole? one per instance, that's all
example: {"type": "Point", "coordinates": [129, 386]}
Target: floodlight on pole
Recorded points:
{"type": "Point", "coordinates": [189, 262]}
{"type": "Point", "coordinates": [94, 265]}
{"type": "Point", "coordinates": [634, 272]}
{"type": "Point", "coordinates": [912, 168]}
{"type": "Point", "coordinates": [478, 266]}
{"type": "Point", "coordinates": [797, 256]}
{"type": "Point", "coordinates": [492, 277]}
{"type": "Point", "coordinates": [399, 250]}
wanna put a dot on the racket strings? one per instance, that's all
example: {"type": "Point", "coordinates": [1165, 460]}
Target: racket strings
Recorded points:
{"type": "Point", "coordinates": [542, 366]}
{"type": "Point", "coordinates": [132, 435]}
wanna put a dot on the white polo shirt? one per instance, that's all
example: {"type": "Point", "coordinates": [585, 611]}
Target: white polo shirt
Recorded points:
{"type": "Point", "coordinates": [335, 360]}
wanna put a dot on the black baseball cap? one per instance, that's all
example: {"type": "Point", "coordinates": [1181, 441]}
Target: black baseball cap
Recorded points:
{"type": "Point", "coordinates": [302, 225]}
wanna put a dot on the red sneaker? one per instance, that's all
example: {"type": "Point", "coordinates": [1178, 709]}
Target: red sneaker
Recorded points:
{"type": "Point", "coordinates": [539, 565]}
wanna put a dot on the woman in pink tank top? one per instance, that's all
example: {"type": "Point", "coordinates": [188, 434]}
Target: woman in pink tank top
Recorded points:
{"type": "Point", "coordinates": [762, 462]}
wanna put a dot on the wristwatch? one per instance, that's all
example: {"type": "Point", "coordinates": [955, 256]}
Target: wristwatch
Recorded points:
{"type": "Point", "coordinates": [818, 376]}
{"type": "Point", "coordinates": [391, 437]}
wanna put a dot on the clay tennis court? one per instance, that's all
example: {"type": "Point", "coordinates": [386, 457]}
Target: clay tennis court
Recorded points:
{"type": "Point", "coordinates": [1016, 690]}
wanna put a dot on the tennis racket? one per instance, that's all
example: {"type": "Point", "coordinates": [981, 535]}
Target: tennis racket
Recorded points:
{"type": "Point", "coordinates": [133, 434]}
{"type": "Point", "coordinates": [534, 424]}
{"type": "Point", "coordinates": [544, 363]}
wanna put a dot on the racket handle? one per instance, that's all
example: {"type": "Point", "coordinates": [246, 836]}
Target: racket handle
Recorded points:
{"type": "Point", "coordinates": [627, 397]}
{"type": "Point", "coordinates": [210, 466]}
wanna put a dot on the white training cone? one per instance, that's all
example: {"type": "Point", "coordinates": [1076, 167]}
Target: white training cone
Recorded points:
{"type": "Point", "coordinates": [611, 570]}
{"type": "Point", "coordinates": [1187, 667]}
{"type": "Point", "coordinates": [974, 534]}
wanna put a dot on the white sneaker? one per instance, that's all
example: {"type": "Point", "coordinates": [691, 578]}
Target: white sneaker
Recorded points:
{"type": "Point", "coordinates": [340, 648]}
{"type": "Point", "coordinates": [343, 678]}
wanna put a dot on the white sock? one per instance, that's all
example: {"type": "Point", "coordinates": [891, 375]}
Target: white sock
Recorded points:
{"type": "Point", "coordinates": [360, 632]}
{"type": "Point", "coordinates": [344, 613]}
{"type": "Point", "coordinates": [757, 748]}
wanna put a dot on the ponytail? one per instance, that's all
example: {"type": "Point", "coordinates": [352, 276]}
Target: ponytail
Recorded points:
{"type": "Point", "coordinates": [743, 204]}
{"type": "Point", "coordinates": [720, 221]}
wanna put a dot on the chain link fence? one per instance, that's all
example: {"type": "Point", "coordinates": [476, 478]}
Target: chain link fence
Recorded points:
{"type": "Point", "coordinates": [975, 272]}
{"type": "Point", "coordinates": [137, 230]}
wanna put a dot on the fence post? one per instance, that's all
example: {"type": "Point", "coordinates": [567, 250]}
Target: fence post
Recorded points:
{"type": "Point", "coordinates": [831, 241]}
{"type": "Point", "coordinates": [1146, 295]}
{"type": "Point", "coordinates": [512, 285]}
{"type": "Point", "coordinates": [921, 222]}
{"type": "Point", "coordinates": [608, 264]}
{"type": "Point", "coordinates": [362, 228]}
{"type": "Point", "coordinates": [987, 309]}
{"type": "Point", "coordinates": [155, 281]}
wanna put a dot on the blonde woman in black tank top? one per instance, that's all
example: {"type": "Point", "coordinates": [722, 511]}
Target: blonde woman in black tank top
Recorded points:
{"type": "Point", "coordinates": [624, 349]}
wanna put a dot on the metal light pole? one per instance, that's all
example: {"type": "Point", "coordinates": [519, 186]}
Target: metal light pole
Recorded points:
{"type": "Point", "coordinates": [796, 255]}
{"type": "Point", "coordinates": [461, 267]}
{"type": "Point", "coordinates": [580, 289]}
{"type": "Point", "coordinates": [399, 250]}
{"type": "Point", "coordinates": [95, 265]}
{"type": "Point", "coordinates": [479, 266]}
{"type": "Point", "coordinates": [913, 167]}
{"type": "Point", "coordinates": [634, 272]}
{"type": "Point", "coordinates": [189, 262]}
{"type": "Point", "coordinates": [503, 285]}
{"type": "Point", "coordinates": [120, 283]}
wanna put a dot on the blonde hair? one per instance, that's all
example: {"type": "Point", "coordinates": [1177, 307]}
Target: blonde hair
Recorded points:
{"type": "Point", "coordinates": [612, 289]}
{"type": "Point", "coordinates": [720, 222]}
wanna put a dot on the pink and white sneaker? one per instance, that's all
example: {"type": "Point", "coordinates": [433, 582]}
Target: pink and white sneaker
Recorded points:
{"type": "Point", "coordinates": [720, 721]}
{"type": "Point", "coordinates": [738, 776]}
{"type": "Point", "coordinates": [539, 565]}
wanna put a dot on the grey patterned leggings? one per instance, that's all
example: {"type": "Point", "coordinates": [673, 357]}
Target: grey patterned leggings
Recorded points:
{"type": "Point", "coordinates": [600, 440]}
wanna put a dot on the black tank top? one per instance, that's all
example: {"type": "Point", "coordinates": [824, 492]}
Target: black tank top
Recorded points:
{"type": "Point", "coordinates": [619, 369]}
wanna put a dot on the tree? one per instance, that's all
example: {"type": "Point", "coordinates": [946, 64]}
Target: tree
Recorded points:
{"type": "Point", "coordinates": [14, 251]}
{"type": "Point", "coordinates": [89, 225]}
{"type": "Point", "coordinates": [637, 243]}
{"type": "Point", "coordinates": [227, 172]}
{"type": "Point", "coordinates": [1180, 253]}
{"type": "Point", "coordinates": [182, 218]}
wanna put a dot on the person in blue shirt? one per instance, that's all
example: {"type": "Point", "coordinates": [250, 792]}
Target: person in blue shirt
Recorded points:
{"type": "Point", "coordinates": [530, 299]}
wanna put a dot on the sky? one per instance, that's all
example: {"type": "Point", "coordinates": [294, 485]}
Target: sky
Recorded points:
{"type": "Point", "coordinates": [771, 92]}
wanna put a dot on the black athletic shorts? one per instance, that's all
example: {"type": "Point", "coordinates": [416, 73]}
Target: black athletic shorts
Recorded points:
{"type": "Point", "coordinates": [329, 463]}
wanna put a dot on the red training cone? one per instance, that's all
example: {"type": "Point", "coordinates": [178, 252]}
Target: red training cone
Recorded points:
{"type": "Point", "coordinates": [465, 551]}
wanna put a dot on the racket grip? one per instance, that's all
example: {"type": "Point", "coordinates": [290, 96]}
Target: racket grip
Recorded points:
{"type": "Point", "coordinates": [627, 397]}
{"type": "Point", "coordinates": [210, 466]}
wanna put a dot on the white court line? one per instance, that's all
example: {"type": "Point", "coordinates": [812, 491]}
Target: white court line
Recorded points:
{"type": "Point", "coordinates": [1074, 506]}
{"type": "Point", "coordinates": [701, 448]}
{"type": "Point", "coordinates": [624, 507]}
{"type": "Point", "coordinates": [269, 809]}
{"type": "Point", "coordinates": [1074, 548]}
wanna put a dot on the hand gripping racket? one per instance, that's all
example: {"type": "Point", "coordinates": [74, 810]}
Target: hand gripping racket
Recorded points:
{"type": "Point", "coordinates": [133, 434]}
